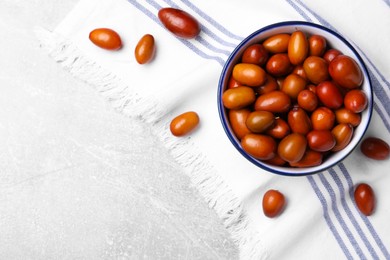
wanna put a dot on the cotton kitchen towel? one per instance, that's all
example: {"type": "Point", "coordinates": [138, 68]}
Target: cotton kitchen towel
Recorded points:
{"type": "Point", "coordinates": [321, 220]}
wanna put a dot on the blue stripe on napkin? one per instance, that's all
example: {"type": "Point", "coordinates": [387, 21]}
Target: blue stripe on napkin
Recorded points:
{"type": "Point", "coordinates": [387, 2]}
{"type": "Point", "coordinates": [327, 217]}
{"type": "Point", "coordinates": [299, 10]}
{"type": "Point", "coordinates": [217, 25]}
{"type": "Point", "coordinates": [380, 113]}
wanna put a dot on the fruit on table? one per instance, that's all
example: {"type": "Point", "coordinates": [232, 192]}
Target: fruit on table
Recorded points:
{"type": "Point", "coordinates": [184, 123]}
{"type": "Point", "coordinates": [179, 22]}
{"type": "Point", "coordinates": [145, 49]}
{"type": "Point", "coordinates": [273, 203]}
{"type": "Point", "coordinates": [365, 199]}
{"type": "Point", "coordinates": [106, 38]}
{"type": "Point", "coordinates": [375, 148]}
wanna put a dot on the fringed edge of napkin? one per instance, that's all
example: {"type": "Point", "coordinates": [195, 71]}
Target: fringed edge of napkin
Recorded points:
{"type": "Point", "coordinates": [216, 192]}
{"type": "Point", "coordinates": [121, 96]}
{"type": "Point", "coordinates": [210, 185]}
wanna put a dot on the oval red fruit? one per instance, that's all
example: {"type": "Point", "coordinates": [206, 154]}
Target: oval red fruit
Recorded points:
{"type": "Point", "coordinates": [179, 22]}
{"type": "Point", "coordinates": [346, 72]}
{"type": "Point", "coordinates": [375, 148]}
{"type": "Point", "coordinates": [273, 203]}
{"type": "Point", "coordinates": [106, 38]}
{"type": "Point", "coordinates": [365, 198]}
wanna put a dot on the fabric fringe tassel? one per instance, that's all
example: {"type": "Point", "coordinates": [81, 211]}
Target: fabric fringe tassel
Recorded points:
{"type": "Point", "coordinates": [202, 175]}
{"type": "Point", "coordinates": [121, 96]}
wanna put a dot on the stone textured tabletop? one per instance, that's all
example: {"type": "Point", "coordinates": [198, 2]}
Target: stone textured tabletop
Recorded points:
{"type": "Point", "coordinates": [77, 179]}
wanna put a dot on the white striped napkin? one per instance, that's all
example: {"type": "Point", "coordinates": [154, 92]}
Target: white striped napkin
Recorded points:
{"type": "Point", "coordinates": [321, 220]}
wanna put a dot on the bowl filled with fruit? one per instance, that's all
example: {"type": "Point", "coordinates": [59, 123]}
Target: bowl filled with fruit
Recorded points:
{"type": "Point", "coordinates": [295, 98]}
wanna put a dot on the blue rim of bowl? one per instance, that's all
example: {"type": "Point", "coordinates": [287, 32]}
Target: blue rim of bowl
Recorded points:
{"type": "Point", "coordinates": [222, 109]}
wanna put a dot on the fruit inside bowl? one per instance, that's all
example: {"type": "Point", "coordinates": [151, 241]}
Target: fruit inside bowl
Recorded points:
{"type": "Point", "coordinates": [295, 98]}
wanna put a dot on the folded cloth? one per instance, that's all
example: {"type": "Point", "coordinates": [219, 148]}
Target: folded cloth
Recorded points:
{"type": "Point", "coordinates": [321, 220]}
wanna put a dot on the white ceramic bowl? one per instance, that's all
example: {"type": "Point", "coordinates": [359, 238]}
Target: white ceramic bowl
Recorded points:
{"type": "Point", "coordinates": [334, 40]}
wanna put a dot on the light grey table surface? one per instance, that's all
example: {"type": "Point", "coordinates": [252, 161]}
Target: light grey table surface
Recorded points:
{"type": "Point", "coordinates": [77, 179]}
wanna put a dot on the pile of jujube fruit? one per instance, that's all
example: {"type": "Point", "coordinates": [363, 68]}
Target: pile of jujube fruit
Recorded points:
{"type": "Point", "coordinates": [292, 100]}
